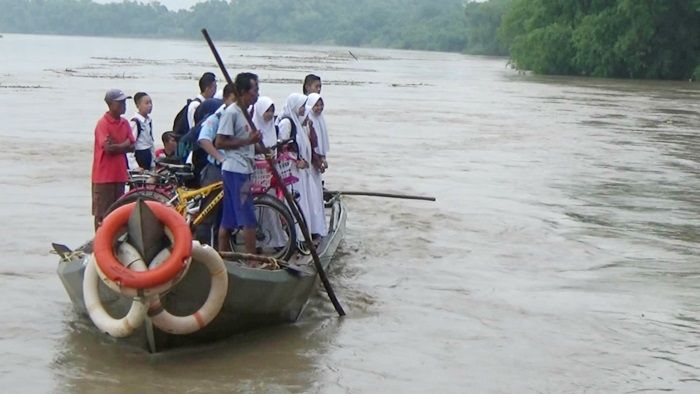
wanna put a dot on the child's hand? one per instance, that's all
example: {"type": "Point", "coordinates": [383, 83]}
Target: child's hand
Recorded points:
{"type": "Point", "coordinates": [301, 164]}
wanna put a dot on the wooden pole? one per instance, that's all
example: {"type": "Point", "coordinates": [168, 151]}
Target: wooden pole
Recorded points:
{"type": "Point", "coordinates": [386, 195]}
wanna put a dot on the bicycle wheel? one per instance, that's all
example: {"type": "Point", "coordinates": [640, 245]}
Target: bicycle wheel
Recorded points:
{"type": "Point", "coordinates": [275, 235]}
{"type": "Point", "coordinates": [136, 194]}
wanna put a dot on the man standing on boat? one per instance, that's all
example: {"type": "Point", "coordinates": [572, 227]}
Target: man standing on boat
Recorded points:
{"type": "Point", "coordinates": [113, 138]}
{"type": "Point", "coordinates": [238, 138]}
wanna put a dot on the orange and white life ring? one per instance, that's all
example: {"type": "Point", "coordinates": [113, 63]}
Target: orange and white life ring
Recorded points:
{"type": "Point", "coordinates": [181, 325]}
{"type": "Point", "coordinates": [131, 258]}
{"type": "Point", "coordinates": [154, 281]}
{"type": "Point", "coordinates": [118, 328]}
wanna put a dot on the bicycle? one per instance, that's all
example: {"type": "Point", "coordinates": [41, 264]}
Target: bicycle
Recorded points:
{"type": "Point", "coordinates": [279, 233]}
{"type": "Point", "coordinates": [165, 178]}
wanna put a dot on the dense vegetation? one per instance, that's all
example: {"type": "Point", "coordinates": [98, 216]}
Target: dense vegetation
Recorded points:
{"type": "Point", "coordinates": [607, 38]}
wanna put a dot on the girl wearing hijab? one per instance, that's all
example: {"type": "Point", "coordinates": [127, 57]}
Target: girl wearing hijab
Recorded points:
{"type": "Point", "coordinates": [314, 111]}
{"type": "Point", "coordinates": [263, 119]}
{"type": "Point", "coordinates": [292, 123]}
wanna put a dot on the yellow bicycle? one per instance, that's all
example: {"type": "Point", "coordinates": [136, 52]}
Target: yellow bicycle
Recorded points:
{"type": "Point", "coordinates": [276, 235]}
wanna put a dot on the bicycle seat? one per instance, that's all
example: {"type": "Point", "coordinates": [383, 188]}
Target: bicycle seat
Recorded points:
{"type": "Point", "coordinates": [185, 175]}
{"type": "Point", "coordinates": [175, 166]}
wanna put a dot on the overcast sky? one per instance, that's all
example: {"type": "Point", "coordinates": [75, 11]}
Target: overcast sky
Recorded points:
{"type": "Point", "coordinates": [171, 4]}
{"type": "Point", "coordinates": [177, 4]}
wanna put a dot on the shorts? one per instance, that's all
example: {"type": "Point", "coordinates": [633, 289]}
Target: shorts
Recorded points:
{"type": "Point", "coordinates": [238, 202]}
{"type": "Point", "coordinates": [103, 196]}
{"type": "Point", "coordinates": [144, 158]}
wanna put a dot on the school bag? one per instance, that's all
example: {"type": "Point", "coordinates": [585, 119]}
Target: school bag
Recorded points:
{"type": "Point", "coordinates": [180, 123]}
{"type": "Point", "coordinates": [292, 134]}
{"type": "Point", "coordinates": [139, 128]}
{"type": "Point", "coordinates": [188, 142]}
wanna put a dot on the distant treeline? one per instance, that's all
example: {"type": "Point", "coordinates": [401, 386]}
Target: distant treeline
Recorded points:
{"type": "Point", "coordinates": [606, 38]}
{"type": "Point", "coordinates": [407, 24]}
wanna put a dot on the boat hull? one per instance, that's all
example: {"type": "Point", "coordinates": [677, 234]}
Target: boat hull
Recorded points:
{"type": "Point", "coordinates": [255, 297]}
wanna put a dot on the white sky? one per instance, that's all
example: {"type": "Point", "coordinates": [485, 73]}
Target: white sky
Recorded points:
{"type": "Point", "coordinates": [183, 4]}
{"type": "Point", "coordinates": [171, 4]}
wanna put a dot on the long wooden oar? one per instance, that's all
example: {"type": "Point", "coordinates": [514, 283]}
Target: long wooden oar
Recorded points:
{"type": "Point", "coordinates": [387, 195]}
{"type": "Point", "coordinates": [287, 196]}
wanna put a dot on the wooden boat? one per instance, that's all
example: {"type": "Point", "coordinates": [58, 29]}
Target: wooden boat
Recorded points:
{"type": "Point", "coordinates": [255, 297]}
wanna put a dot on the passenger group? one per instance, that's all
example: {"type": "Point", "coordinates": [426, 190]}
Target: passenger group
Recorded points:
{"type": "Point", "coordinates": [219, 133]}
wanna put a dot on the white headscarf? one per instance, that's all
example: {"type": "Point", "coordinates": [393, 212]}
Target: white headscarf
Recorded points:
{"type": "Point", "coordinates": [290, 110]}
{"type": "Point", "coordinates": [269, 134]}
{"type": "Point", "coordinates": [319, 124]}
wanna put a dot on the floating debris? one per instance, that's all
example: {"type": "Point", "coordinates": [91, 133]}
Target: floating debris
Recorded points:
{"type": "Point", "coordinates": [408, 85]}
{"type": "Point", "coordinates": [23, 87]}
{"type": "Point", "coordinates": [78, 74]}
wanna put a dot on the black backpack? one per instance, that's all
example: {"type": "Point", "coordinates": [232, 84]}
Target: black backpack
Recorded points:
{"type": "Point", "coordinates": [139, 128]}
{"type": "Point", "coordinates": [180, 125]}
{"type": "Point", "coordinates": [292, 133]}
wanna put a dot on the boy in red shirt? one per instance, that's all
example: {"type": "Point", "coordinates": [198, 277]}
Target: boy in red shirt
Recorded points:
{"type": "Point", "coordinates": [113, 138]}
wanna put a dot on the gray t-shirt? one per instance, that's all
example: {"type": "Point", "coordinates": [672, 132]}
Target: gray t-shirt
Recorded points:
{"type": "Point", "coordinates": [233, 123]}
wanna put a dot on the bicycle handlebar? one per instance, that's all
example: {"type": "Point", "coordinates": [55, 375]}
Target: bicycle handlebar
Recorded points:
{"type": "Point", "coordinates": [279, 144]}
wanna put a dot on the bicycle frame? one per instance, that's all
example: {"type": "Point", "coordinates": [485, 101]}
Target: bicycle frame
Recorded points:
{"type": "Point", "coordinates": [184, 195]}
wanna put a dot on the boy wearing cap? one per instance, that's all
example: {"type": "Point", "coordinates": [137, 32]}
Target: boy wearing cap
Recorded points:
{"type": "Point", "coordinates": [113, 138]}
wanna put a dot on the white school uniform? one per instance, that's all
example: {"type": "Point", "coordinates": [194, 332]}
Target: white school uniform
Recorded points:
{"type": "Point", "coordinates": [291, 106]}
{"type": "Point", "coordinates": [319, 125]}
{"type": "Point", "coordinates": [143, 140]}
{"type": "Point", "coordinates": [269, 133]}
{"type": "Point", "coordinates": [268, 222]}
{"type": "Point", "coordinates": [315, 186]}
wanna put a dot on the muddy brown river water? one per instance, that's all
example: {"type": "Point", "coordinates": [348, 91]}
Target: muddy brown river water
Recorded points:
{"type": "Point", "coordinates": [561, 255]}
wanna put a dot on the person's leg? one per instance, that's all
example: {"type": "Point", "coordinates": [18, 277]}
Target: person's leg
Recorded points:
{"type": "Point", "coordinates": [95, 204]}
{"type": "Point", "coordinates": [228, 219]}
{"type": "Point", "coordinates": [224, 239]}
{"type": "Point", "coordinates": [249, 237]}
{"type": "Point", "coordinates": [208, 229]}
{"type": "Point", "coordinates": [245, 214]}
{"type": "Point", "coordinates": [143, 158]}
{"type": "Point", "coordinates": [103, 196]}
{"type": "Point", "coordinates": [119, 189]}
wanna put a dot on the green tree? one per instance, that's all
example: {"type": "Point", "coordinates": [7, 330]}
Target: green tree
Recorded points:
{"type": "Point", "coordinates": [615, 38]}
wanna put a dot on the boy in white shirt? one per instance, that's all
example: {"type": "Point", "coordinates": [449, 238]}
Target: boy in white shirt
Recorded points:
{"type": "Point", "coordinates": [207, 89]}
{"type": "Point", "coordinates": [142, 129]}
